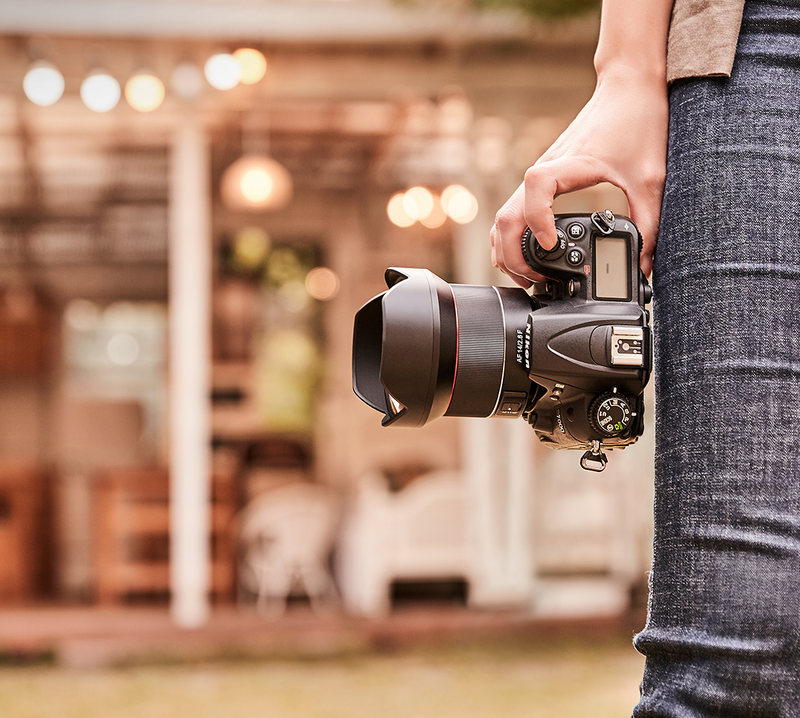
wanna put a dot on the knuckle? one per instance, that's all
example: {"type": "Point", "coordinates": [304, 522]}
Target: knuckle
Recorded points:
{"type": "Point", "coordinates": [502, 220]}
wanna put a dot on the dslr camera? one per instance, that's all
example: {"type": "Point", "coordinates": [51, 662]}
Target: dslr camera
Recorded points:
{"type": "Point", "coordinates": [572, 356]}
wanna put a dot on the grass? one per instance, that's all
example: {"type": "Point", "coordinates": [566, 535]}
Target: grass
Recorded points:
{"type": "Point", "coordinates": [505, 679]}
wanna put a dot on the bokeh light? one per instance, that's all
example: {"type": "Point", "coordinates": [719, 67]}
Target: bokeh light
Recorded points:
{"type": "Point", "coordinates": [251, 247]}
{"type": "Point", "coordinates": [123, 349]}
{"type": "Point", "coordinates": [256, 183]}
{"type": "Point", "coordinates": [43, 84]}
{"type": "Point", "coordinates": [100, 92]}
{"type": "Point", "coordinates": [82, 315]}
{"type": "Point", "coordinates": [437, 216]}
{"type": "Point", "coordinates": [322, 283]}
{"type": "Point", "coordinates": [223, 71]}
{"type": "Point", "coordinates": [418, 203]}
{"type": "Point", "coordinates": [253, 63]}
{"type": "Point", "coordinates": [144, 92]}
{"type": "Point", "coordinates": [459, 203]}
{"type": "Point", "coordinates": [187, 80]}
{"type": "Point", "coordinates": [395, 209]}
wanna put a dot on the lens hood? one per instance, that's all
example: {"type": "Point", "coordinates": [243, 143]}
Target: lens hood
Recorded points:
{"type": "Point", "coordinates": [404, 348]}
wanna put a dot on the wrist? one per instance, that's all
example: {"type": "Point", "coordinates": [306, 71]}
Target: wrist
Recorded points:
{"type": "Point", "coordinates": [639, 68]}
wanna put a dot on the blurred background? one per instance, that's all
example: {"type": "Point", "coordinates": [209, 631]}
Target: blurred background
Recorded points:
{"type": "Point", "coordinates": [195, 199]}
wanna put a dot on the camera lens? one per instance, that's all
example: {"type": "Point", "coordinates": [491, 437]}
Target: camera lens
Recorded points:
{"type": "Point", "coordinates": [426, 348]}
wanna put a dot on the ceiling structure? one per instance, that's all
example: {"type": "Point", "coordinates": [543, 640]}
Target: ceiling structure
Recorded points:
{"type": "Point", "coordinates": [351, 104]}
{"type": "Point", "coordinates": [279, 20]}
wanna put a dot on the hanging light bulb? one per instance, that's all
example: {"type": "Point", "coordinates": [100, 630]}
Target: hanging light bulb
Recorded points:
{"type": "Point", "coordinates": [418, 203]}
{"type": "Point", "coordinates": [100, 92]}
{"type": "Point", "coordinates": [144, 92]}
{"type": "Point", "coordinates": [396, 211]}
{"type": "Point", "coordinates": [43, 84]}
{"type": "Point", "coordinates": [187, 80]}
{"type": "Point", "coordinates": [437, 216]}
{"type": "Point", "coordinates": [459, 203]}
{"type": "Point", "coordinates": [223, 71]}
{"type": "Point", "coordinates": [253, 63]}
{"type": "Point", "coordinates": [256, 183]}
{"type": "Point", "coordinates": [322, 283]}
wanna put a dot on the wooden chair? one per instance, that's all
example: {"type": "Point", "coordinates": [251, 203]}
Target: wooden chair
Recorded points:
{"type": "Point", "coordinates": [132, 536]}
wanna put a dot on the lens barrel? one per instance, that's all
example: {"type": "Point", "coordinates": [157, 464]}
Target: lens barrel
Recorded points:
{"type": "Point", "coordinates": [426, 348]}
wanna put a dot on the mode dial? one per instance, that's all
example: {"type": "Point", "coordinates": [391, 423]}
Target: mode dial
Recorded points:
{"type": "Point", "coordinates": [531, 248]}
{"type": "Point", "coordinates": [610, 414]}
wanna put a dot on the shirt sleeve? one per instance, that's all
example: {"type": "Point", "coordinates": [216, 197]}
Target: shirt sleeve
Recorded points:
{"type": "Point", "coordinates": [702, 38]}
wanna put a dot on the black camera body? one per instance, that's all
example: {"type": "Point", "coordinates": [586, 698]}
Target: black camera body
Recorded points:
{"type": "Point", "coordinates": [572, 357]}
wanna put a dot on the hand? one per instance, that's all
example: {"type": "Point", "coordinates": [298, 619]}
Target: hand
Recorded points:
{"type": "Point", "coordinates": [620, 137]}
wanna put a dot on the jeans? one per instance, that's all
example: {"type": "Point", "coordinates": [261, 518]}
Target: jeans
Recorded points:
{"type": "Point", "coordinates": [723, 631]}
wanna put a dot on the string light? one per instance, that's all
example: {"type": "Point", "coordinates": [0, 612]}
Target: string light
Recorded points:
{"type": "Point", "coordinates": [253, 64]}
{"type": "Point", "coordinates": [223, 71]}
{"type": "Point", "coordinates": [396, 211]}
{"type": "Point", "coordinates": [144, 92]}
{"type": "Point", "coordinates": [459, 203]}
{"type": "Point", "coordinates": [100, 92]}
{"type": "Point", "coordinates": [187, 80]}
{"type": "Point", "coordinates": [418, 203]}
{"type": "Point", "coordinates": [437, 216]}
{"type": "Point", "coordinates": [43, 84]}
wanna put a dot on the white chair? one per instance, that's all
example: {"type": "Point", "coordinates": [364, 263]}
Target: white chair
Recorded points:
{"type": "Point", "coordinates": [418, 533]}
{"type": "Point", "coordinates": [286, 539]}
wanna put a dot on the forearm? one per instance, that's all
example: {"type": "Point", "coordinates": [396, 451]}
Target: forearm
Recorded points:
{"type": "Point", "coordinates": [633, 38]}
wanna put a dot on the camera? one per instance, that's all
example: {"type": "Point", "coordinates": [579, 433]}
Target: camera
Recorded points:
{"type": "Point", "coordinates": [572, 356]}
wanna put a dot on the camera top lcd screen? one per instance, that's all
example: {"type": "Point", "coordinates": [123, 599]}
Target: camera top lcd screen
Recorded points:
{"type": "Point", "coordinates": [611, 268]}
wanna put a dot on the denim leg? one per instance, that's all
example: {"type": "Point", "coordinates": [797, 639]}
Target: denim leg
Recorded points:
{"type": "Point", "coordinates": [723, 630]}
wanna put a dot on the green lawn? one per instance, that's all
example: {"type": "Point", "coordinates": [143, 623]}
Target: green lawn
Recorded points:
{"type": "Point", "coordinates": [507, 680]}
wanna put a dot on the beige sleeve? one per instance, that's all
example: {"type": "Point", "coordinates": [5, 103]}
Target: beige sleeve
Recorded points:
{"type": "Point", "coordinates": [702, 38]}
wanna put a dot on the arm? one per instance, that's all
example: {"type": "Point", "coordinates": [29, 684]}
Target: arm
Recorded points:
{"type": "Point", "coordinates": [620, 137]}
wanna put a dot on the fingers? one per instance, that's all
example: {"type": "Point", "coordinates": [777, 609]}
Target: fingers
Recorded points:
{"type": "Point", "coordinates": [546, 180]}
{"type": "Point", "coordinates": [532, 206]}
{"type": "Point", "coordinates": [645, 207]}
{"type": "Point", "coordinates": [506, 236]}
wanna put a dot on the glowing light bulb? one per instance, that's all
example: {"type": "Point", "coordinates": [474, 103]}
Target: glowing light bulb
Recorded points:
{"type": "Point", "coordinates": [459, 203]}
{"type": "Point", "coordinates": [223, 71]}
{"type": "Point", "coordinates": [253, 63]}
{"type": "Point", "coordinates": [187, 80]}
{"type": "Point", "coordinates": [100, 92]}
{"type": "Point", "coordinates": [144, 92]}
{"type": "Point", "coordinates": [43, 84]}
{"type": "Point", "coordinates": [256, 185]}
{"type": "Point", "coordinates": [123, 349]}
{"type": "Point", "coordinates": [396, 211]}
{"type": "Point", "coordinates": [418, 203]}
{"type": "Point", "coordinates": [322, 283]}
{"type": "Point", "coordinates": [437, 216]}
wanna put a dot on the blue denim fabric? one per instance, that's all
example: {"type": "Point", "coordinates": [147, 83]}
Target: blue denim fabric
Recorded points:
{"type": "Point", "coordinates": [723, 630]}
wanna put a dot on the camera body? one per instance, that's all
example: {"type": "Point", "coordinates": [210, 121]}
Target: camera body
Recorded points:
{"type": "Point", "coordinates": [588, 346]}
{"type": "Point", "coordinates": [572, 357]}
